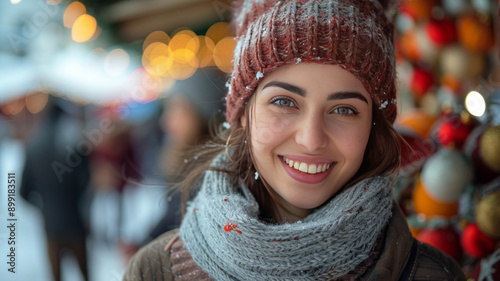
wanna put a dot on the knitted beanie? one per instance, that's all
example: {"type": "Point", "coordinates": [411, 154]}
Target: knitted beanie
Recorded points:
{"type": "Point", "coordinates": [357, 35]}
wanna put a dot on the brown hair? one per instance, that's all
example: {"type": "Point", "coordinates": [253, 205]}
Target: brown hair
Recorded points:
{"type": "Point", "coordinates": [382, 156]}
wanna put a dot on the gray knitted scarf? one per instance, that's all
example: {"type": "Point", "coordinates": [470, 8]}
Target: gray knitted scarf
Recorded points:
{"type": "Point", "coordinates": [222, 232]}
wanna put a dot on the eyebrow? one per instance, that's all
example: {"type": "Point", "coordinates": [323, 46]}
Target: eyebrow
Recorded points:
{"type": "Point", "coordinates": [347, 95]}
{"type": "Point", "coordinates": [301, 92]}
{"type": "Point", "coordinates": [289, 87]}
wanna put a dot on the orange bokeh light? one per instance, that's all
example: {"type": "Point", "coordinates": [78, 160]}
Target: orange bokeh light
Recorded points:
{"type": "Point", "coordinates": [223, 54]}
{"type": "Point", "coordinates": [83, 28]}
{"type": "Point", "coordinates": [13, 107]}
{"type": "Point", "coordinates": [73, 11]}
{"type": "Point", "coordinates": [185, 39]}
{"type": "Point", "coordinates": [218, 31]}
{"type": "Point", "coordinates": [156, 36]}
{"type": "Point", "coordinates": [36, 102]}
{"type": "Point", "coordinates": [205, 53]}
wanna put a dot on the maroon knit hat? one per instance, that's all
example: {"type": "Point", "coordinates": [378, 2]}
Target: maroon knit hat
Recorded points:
{"type": "Point", "coordinates": [354, 34]}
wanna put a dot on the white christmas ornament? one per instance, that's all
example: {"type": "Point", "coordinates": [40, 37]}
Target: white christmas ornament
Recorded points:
{"type": "Point", "coordinates": [446, 174]}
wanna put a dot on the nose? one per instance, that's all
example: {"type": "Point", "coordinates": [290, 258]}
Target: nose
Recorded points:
{"type": "Point", "coordinates": [312, 132]}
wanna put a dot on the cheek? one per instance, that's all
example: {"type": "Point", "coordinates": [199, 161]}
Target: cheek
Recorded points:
{"type": "Point", "coordinates": [355, 144]}
{"type": "Point", "coordinates": [268, 129]}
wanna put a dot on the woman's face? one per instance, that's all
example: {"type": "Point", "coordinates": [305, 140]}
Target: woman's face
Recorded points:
{"type": "Point", "coordinates": [310, 125]}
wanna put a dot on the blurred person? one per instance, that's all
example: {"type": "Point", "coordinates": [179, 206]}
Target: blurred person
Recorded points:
{"type": "Point", "coordinates": [113, 165]}
{"type": "Point", "coordinates": [55, 178]}
{"type": "Point", "coordinates": [191, 112]}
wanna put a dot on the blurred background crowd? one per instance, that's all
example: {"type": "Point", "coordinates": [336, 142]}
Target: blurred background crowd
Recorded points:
{"type": "Point", "coordinates": [98, 100]}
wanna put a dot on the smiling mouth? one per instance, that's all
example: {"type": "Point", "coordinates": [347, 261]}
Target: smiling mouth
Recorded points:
{"type": "Point", "coordinates": [306, 167]}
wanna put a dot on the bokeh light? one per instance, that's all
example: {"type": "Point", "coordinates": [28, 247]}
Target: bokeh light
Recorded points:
{"type": "Point", "coordinates": [156, 59]}
{"type": "Point", "coordinates": [177, 57]}
{"type": "Point", "coordinates": [98, 31]}
{"type": "Point", "coordinates": [143, 87]}
{"type": "Point", "coordinates": [184, 64]}
{"type": "Point", "coordinates": [83, 28]}
{"type": "Point", "coordinates": [185, 39]}
{"type": "Point", "coordinates": [218, 31]}
{"type": "Point", "coordinates": [156, 36]}
{"type": "Point", "coordinates": [36, 102]}
{"type": "Point", "coordinates": [14, 2]}
{"type": "Point", "coordinates": [205, 52]}
{"type": "Point", "coordinates": [72, 12]}
{"type": "Point", "coordinates": [13, 107]}
{"type": "Point", "coordinates": [193, 45]}
{"type": "Point", "coordinates": [160, 66]}
{"type": "Point", "coordinates": [475, 104]}
{"type": "Point", "coordinates": [223, 54]}
{"type": "Point", "coordinates": [116, 62]}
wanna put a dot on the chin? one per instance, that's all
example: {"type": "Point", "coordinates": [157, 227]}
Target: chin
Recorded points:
{"type": "Point", "coordinates": [300, 203]}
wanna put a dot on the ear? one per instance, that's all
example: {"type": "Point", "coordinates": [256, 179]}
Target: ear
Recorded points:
{"type": "Point", "coordinates": [243, 119]}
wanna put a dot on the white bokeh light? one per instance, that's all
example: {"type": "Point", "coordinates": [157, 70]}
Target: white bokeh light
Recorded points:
{"type": "Point", "coordinates": [475, 104]}
{"type": "Point", "coordinates": [116, 62]}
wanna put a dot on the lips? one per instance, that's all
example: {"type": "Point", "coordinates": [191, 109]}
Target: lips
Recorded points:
{"type": "Point", "coordinates": [307, 170]}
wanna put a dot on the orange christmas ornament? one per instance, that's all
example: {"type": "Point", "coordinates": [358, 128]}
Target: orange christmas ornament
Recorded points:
{"type": "Point", "coordinates": [425, 205]}
{"type": "Point", "coordinates": [408, 46]}
{"type": "Point", "coordinates": [475, 34]}
{"type": "Point", "coordinates": [451, 82]}
{"type": "Point", "coordinates": [417, 121]}
{"type": "Point", "coordinates": [420, 9]}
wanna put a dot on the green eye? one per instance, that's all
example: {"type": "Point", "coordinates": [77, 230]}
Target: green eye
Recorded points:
{"type": "Point", "coordinates": [345, 111]}
{"type": "Point", "coordinates": [284, 103]}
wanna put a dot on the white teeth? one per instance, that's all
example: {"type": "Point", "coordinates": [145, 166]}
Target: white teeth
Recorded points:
{"type": "Point", "coordinates": [303, 167]}
{"type": "Point", "coordinates": [307, 168]}
{"type": "Point", "coordinates": [311, 169]}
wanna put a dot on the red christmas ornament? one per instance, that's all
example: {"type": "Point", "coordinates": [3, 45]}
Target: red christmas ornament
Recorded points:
{"type": "Point", "coordinates": [453, 131]}
{"type": "Point", "coordinates": [476, 243]}
{"type": "Point", "coordinates": [442, 32]}
{"type": "Point", "coordinates": [421, 81]}
{"type": "Point", "coordinates": [445, 239]}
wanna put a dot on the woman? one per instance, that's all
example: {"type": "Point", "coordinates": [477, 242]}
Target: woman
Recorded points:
{"type": "Point", "coordinates": [303, 188]}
